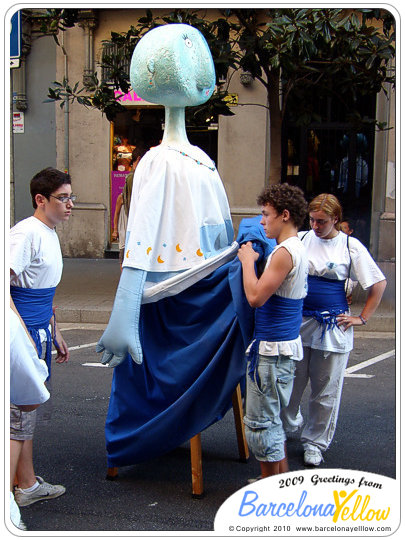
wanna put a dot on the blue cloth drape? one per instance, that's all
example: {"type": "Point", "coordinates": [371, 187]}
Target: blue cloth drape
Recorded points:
{"type": "Point", "coordinates": [35, 309]}
{"type": "Point", "coordinates": [194, 357]}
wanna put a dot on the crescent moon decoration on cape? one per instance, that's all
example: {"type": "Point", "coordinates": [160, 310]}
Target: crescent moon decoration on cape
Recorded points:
{"type": "Point", "coordinates": [199, 253]}
{"type": "Point", "coordinates": [160, 260]}
{"type": "Point", "coordinates": [178, 248]}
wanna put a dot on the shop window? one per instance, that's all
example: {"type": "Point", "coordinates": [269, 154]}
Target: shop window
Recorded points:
{"type": "Point", "coordinates": [144, 125]}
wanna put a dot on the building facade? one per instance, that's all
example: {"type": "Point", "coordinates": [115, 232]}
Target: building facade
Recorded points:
{"type": "Point", "coordinates": [82, 141]}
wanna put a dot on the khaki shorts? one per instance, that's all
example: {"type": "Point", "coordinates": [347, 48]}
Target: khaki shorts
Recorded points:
{"type": "Point", "coordinates": [22, 424]}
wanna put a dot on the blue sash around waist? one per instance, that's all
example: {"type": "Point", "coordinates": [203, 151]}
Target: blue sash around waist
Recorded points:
{"type": "Point", "coordinates": [325, 300]}
{"type": "Point", "coordinates": [279, 319]}
{"type": "Point", "coordinates": [35, 308]}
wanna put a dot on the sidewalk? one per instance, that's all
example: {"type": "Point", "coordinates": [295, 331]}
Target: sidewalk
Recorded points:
{"type": "Point", "coordinates": [87, 290]}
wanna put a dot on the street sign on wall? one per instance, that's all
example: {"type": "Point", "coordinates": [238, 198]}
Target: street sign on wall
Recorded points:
{"type": "Point", "coordinates": [15, 40]}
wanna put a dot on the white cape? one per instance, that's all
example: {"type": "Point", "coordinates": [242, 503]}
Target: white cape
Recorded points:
{"type": "Point", "coordinates": [179, 213]}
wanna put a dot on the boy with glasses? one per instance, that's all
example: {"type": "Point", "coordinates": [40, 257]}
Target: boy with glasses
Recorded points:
{"type": "Point", "coordinates": [35, 271]}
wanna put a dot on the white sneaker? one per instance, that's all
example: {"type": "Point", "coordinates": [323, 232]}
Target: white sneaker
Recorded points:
{"type": "Point", "coordinates": [253, 480]}
{"type": "Point", "coordinates": [313, 456]}
{"type": "Point", "coordinates": [42, 492]}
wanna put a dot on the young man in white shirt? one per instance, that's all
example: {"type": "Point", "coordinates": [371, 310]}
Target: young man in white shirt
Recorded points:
{"type": "Point", "coordinates": [35, 271]}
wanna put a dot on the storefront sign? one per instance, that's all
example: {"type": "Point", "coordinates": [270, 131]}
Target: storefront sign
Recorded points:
{"type": "Point", "coordinates": [130, 96]}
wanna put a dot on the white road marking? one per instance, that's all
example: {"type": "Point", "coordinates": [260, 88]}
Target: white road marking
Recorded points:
{"type": "Point", "coordinates": [350, 371]}
{"type": "Point", "coordinates": [94, 364]}
{"type": "Point", "coordinates": [85, 346]}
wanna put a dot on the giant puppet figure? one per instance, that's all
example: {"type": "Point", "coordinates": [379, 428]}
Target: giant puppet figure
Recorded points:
{"type": "Point", "coordinates": [180, 323]}
{"type": "Point", "coordinates": [179, 213]}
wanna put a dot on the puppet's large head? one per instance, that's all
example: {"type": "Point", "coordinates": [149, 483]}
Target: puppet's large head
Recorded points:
{"type": "Point", "coordinates": [172, 66]}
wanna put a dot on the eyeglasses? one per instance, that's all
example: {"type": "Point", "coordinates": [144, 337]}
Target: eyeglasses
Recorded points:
{"type": "Point", "coordinates": [65, 198]}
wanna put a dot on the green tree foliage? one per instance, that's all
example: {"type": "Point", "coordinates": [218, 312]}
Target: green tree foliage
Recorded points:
{"type": "Point", "coordinates": [295, 53]}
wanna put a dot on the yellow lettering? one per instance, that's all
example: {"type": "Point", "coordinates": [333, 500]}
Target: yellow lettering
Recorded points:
{"type": "Point", "coordinates": [356, 505]}
{"type": "Point", "coordinates": [365, 504]}
{"type": "Point", "coordinates": [343, 512]}
{"type": "Point", "coordinates": [340, 505]}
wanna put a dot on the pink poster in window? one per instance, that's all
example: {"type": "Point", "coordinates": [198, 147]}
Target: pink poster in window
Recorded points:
{"type": "Point", "coordinates": [117, 183]}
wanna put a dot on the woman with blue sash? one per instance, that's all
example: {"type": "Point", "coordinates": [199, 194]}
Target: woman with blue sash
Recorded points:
{"type": "Point", "coordinates": [278, 297]}
{"type": "Point", "coordinates": [327, 326]}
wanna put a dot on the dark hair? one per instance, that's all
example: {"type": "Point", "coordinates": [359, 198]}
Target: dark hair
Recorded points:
{"type": "Point", "coordinates": [139, 151]}
{"type": "Point", "coordinates": [328, 203]}
{"type": "Point", "coordinates": [350, 221]}
{"type": "Point", "coordinates": [46, 182]}
{"type": "Point", "coordinates": [285, 197]}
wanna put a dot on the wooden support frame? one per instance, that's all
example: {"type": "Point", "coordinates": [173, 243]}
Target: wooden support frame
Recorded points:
{"type": "Point", "coordinates": [196, 451]}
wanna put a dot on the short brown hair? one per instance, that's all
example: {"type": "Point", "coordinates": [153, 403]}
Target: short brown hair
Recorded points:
{"type": "Point", "coordinates": [46, 182]}
{"type": "Point", "coordinates": [285, 197]}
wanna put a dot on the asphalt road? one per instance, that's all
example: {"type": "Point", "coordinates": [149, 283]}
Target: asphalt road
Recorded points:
{"type": "Point", "coordinates": [156, 496]}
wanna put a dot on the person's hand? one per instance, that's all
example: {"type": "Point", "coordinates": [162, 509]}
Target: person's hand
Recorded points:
{"type": "Point", "coordinates": [346, 321]}
{"type": "Point", "coordinates": [122, 333]}
{"type": "Point", "coordinates": [62, 350]}
{"type": "Point", "coordinates": [246, 253]}
{"type": "Point", "coordinates": [114, 235]}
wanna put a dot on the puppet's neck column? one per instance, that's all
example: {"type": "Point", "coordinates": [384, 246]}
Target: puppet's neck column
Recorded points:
{"type": "Point", "coordinates": [175, 126]}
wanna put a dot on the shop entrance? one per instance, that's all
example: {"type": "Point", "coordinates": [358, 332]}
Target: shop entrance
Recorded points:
{"type": "Point", "coordinates": [144, 125]}
{"type": "Point", "coordinates": [330, 156]}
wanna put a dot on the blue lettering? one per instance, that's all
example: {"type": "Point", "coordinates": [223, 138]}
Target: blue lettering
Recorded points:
{"type": "Point", "coordinates": [301, 502]}
{"type": "Point", "coordinates": [262, 510]}
{"type": "Point", "coordinates": [290, 509]}
{"type": "Point", "coordinates": [247, 503]}
{"type": "Point", "coordinates": [282, 506]}
{"type": "Point", "coordinates": [329, 510]}
{"type": "Point", "coordinates": [273, 508]}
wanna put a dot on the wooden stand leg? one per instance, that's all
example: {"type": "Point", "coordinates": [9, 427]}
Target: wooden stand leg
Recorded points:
{"type": "Point", "coordinates": [240, 432]}
{"type": "Point", "coordinates": [112, 473]}
{"type": "Point", "coordinates": [196, 466]}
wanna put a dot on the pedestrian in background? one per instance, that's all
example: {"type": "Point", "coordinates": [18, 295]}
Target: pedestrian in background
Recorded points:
{"type": "Point", "coordinates": [277, 296]}
{"type": "Point", "coordinates": [35, 271]}
{"type": "Point", "coordinates": [327, 326]}
{"type": "Point", "coordinates": [123, 201]}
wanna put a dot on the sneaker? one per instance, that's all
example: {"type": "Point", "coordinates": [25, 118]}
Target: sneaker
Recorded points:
{"type": "Point", "coordinates": [253, 480]}
{"type": "Point", "coordinates": [42, 492]}
{"type": "Point", "coordinates": [313, 457]}
{"type": "Point", "coordinates": [22, 526]}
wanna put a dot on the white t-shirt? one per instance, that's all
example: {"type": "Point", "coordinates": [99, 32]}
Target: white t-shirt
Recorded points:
{"type": "Point", "coordinates": [35, 255]}
{"type": "Point", "coordinates": [330, 259]}
{"type": "Point", "coordinates": [294, 286]}
{"type": "Point", "coordinates": [27, 371]}
{"type": "Point", "coordinates": [179, 213]}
